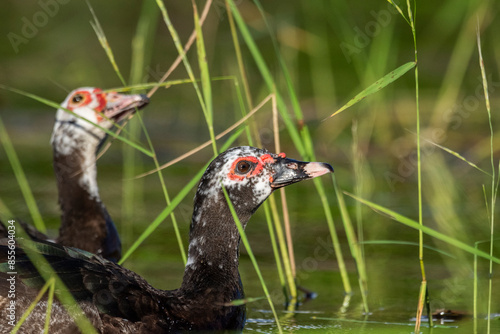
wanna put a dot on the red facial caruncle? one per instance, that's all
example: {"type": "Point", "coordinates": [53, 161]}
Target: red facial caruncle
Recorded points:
{"type": "Point", "coordinates": [83, 98]}
{"type": "Point", "coordinates": [255, 169]}
{"type": "Point", "coordinates": [101, 98]}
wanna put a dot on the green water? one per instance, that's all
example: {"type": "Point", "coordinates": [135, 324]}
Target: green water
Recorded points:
{"type": "Point", "coordinates": [64, 53]}
{"type": "Point", "coordinates": [393, 269]}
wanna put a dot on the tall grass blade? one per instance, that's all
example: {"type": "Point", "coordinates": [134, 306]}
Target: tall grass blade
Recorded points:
{"type": "Point", "coordinates": [290, 279]}
{"type": "Point", "coordinates": [459, 156]}
{"type": "Point", "coordinates": [268, 79]}
{"type": "Point", "coordinates": [132, 194]}
{"type": "Point", "coordinates": [427, 230]}
{"type": "Point", "coordinates": [376, 86]}
{"type": "Point", "coordinates": [354, 246]}
{"type": "Point", "coordinates": [50, 300]}
{"type": "Point", "coordinates": [399, 10]}
{"type": "Point", "coordinates": [182, 53]}
{"type": "Point", "coordinates": [493, 192]}
{"type": "Point", "coordinates": [143, 42]}
{"type": "Point", "coordinates": [206, 84]}
{"type": "Point", "coordinates": [244, 239]}
{"type": "Point", "coordinates": [276, 252]}
{"type": "Point", "coordinates": [410, 243]}
{"type": "Point", "coordinates": [186, 48]}
{"type": "Point", "coordinates": [476, 283]}
{"type": "Point", "coordinates": [286, 218]}
{"type": "Point", "coordinates": [462, 53]}
{"type": "Point", "coordinates": [239, 59]}
{"type": "Point", "coordinates": [21, 178]}
{"type": "Point", "coordinates": [421, 303]}
{"type": "Point", "coordinates": [32, 306]}
{"type": "Point", "coordinates": [147, 85]}
{"type": "Point", "coordinates": [104, 43]}
{"type": "Point", "coordinates": [333, 233]}
{"type": "Point", "coordinates": [5, 213]}
{"type": "Point", "coordinates": [132, 190]}
{"type": "Point", "coordinates": [245, 301]}
{"type": "Point", "coordinates": [303, 129]}
{"type": "Point", "coordinates": [423, 289]}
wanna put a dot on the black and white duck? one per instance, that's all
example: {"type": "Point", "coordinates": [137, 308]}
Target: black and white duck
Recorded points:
{"type": "Point", "coordinates": [117, 300]}
{"type": "Point", "coordinates": [85, 222]}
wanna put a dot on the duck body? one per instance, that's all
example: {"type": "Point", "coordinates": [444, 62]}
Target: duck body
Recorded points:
{"type": "Point", "coordinates": [116, 300]}
{"type": "Point", "coordinates": [77, 135]}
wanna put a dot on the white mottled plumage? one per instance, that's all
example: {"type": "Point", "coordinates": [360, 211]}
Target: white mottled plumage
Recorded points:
{"type": "Point", "coordinates": [80, 133]}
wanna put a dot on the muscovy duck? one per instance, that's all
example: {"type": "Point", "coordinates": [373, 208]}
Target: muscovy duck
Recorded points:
{"type": "Point", "coordinates": [85, 222]}
{"type": "Point", "coordinates": [117, 300]}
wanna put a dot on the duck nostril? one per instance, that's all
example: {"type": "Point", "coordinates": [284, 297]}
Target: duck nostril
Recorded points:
{"type": "Point", "coordinates": [292, 165]}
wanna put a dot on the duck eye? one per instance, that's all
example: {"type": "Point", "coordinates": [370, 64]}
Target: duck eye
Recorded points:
{"type": "Point", "coordinates": [243, 167]}
{"type": "Point", "coordinates": [77, 98]}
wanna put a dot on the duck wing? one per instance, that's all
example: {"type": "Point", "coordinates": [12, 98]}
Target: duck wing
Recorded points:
{"type": "Point", "coordinates": [92, 280]}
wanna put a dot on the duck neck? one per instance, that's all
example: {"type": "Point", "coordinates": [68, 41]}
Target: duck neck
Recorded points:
{"type": "Point", "coordinates": [83, 220]}
{"type": "Point", "coordinates": [214, 251]}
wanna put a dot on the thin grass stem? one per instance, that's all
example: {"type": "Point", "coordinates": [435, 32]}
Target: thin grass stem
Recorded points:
{"type": "Point", "coordinates": [354, 246]}
{"type": "Point", "coordinates": [333, 234]}
{"type": "Point", "coordinates": [50, 300]}
{"type": "Point", "coordinates": [205, 78]}
{"type": "Point", "coordinates": [427, 230]}
{"type": "Point", "coordinates": [187, 65]}
{"type": "Point", "coordinates": [32, 306]}
{"type": "Point", "coordinates": [284, 204]}
{"type": "Point", "coordinates": [207, 143]}
{"type": "Point", "coordinates": [104, 42]}
{"type": "Point", "coordinates": [142, 42]}
{"type": "Point", "coordinates": [5, 212]}
{"type": "Point", "coordinates": [244, 239]}
{"type": "Point", "coordinates": [180, 57]}
{"type": "Point", "coordinates": [266, 75]}
{"type": "Point", "coordinates": [21, 178]}
{"type": "Point", "coordinates": [476, 284]}
{"type": "Point", "coordinates": [493, 192]}
{"type": "Point", "coordinates": [284, 252]}
{"type": "Point", "coordinates": [275, 248]}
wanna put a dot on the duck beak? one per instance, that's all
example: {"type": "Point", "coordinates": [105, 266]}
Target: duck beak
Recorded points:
{"type": "Point", "coordinates": [288, 171]}
{"type": "Point", "coordinates": [119, 106]}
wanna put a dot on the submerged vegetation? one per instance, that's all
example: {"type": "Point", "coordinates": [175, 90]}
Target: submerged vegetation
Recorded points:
{"type": "Point", "coordinates": [399, 97]}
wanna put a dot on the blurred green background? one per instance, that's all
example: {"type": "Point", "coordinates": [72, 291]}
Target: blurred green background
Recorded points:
{"type": "Point", "coordinates": [333, 50]}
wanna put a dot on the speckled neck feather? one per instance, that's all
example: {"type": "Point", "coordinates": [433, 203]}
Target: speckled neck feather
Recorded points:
{"type": "Point", "coordinates": [85, 222]}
